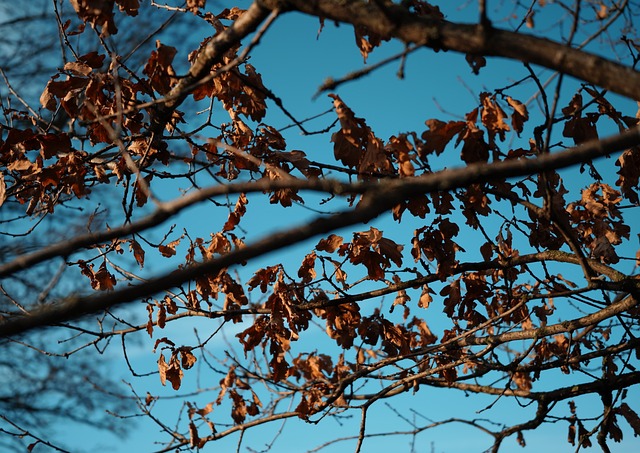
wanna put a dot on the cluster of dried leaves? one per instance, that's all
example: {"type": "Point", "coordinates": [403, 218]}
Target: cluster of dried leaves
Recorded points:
{"type": "Point", "coordinates": [488, 257]}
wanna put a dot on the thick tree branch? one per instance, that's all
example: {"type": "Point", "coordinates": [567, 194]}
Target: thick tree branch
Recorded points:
{"type": "Point", "coordinates": [377, 201]}
{"type": "Point", "coordinates": [627, 303]}
{"type": "Point", "coordinates": [396, 21]}
{"type": "Point", "coordinates": [563, 393]}
{"type": "Point", "coordinates": [394, 191]}
{"type": "Point", "coordinates": [549, 255]}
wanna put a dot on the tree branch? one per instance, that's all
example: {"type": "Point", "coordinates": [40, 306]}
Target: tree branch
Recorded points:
{"type": "Point", "coordinates": [379, 198]}
{"type": "Point", "coordinates": [394, 191]}
{"type": "Point", "coordinates": [397, 21]}
{"type": "Point", "coordinates": [211, 54]}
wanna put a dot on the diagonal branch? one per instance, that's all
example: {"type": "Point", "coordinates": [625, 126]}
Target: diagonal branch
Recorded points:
{"type": "Point", "coordinates": [613, 383]}
{"type": "Point", "coordinates": [377, 200]}
{"type": "Point", "coordinates": [398, 189]}
{"type": "Point", "coordinates": [397, 21]}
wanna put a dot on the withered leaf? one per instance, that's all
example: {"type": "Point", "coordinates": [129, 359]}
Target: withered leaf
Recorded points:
{"type": "Point", "coordinates": [187, 357]}
{"type": "Point", "coordinates": [149, 327]}
{"type": "Point", "coordinates": [350, 140]}
{"type": "Point", "coordinates": [53, 144]}
{"type": "Point", "coordinates": [574, 106]}
{"type": "Point", "coordinates": [3, 189]}
{"type": "Point", "coordinates": [602, 250]}
{"type": "Point", "coordinates": [163, 340]}
{"type": "Point", "coordinates": [162, 316]}
{"type": "Point", "coordinates": [440, 134]}
{"type": "Point", "coordinates": [571, 435]}
{"type": "Point", "coordinates": [172, 307]}
{"type": "Point", "coordinates": [103, 280]}
{"type": "Point", "coordinates": [474, 149]}
{"type": "Point", "coordinates": [78, 68]}
{"type": "Point", "coordinates": [330, 244]}
{"type": "Point", "coordinates": [194, 439]}
{"type": "Point", "coordinates": [130, 7]}
{"type": "Point", "coordinates": [195, 5]}
{"type": "Point", "coordinates": [138, 252]}
{"type": "Point", "coordinates": [230, 14]}
{"type": "Point", "coordinates": [170, 371]}
{"type": "Point", "coordinates": [263, 278]}
{"type": "Point", "coordinates": [169, 250]}
{"type": "Point", "coordinates": [492, 117]}
{"type": "Point", "coordinates": [159, 69]}
{"type": "Point", "coordinates": [99, 13]}
{"type": "Point", "coordinates": [452, 297]}
{"type": "Point", "coordinates": [519, 116]}
{"type": "Point", "coordinates": [166, 251]}
{"type": "Point", "coordinates": [629, 174]}
{"type": "Point", "coordinates": [486, 250]}
{"type": "Point", "coordinates": [307, 272]}
{"type": "Point", "coordinates": [425, 297]}
{"type": "Point", "coordinates": [630, 416]}
{"type": "Point", "coordinates": [581, 129]}
{"type": "Point", "coordinates": [366, 40]}
{"type": "Point", "coordinates": [522, 380]}
{"type": "Point", "coordinates": [239, 210]}
{"type": "Point", "coordinates": [92, 59]}
{"type": "Point", "coordinates": [476, 62]}
{"type": "Point", "coordinates": [162, 368]}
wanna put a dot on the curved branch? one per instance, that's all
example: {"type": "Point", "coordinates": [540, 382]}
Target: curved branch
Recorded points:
{"type": "Point", "coordinates": [549, 255]}
{"type": "Point", "coordinates": [625, 304]}
{"type": "Point", "coordinates": [379, 197]}
{"type": "Point", "coordinates": [394, 191]}
{"type": "Point", "coordinates": [613, 383]}
{"type": "Point", "coordinates": [481, 39]}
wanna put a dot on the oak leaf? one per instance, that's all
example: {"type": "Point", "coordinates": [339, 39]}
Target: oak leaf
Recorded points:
{"type": "Point", "coordinates": [169, 250]}
{"type": "Point", "coordinates": [195, 5]}
{"type": "Point", "coordinates": [238, 211]}
{"type": "Point", "coordinates": [330, 244]}
{"type": "Point", "coordinates": [97, 12]}
{"type": "Point", "coordinates": [186, 357]}
{"type": "Point", "coordinates": [476, 62]}
{"type": "Point", "coordinates": [3, 189]}
{"type": "Point", "coordinates": [307, 272]}
{"type": "Point", "coordinates": [629, 174]}
{"type": "Point", "coordinates": [103, 280]}
{"type": "Point", "coordinates": [630, 416]}
{"type": "Point", "coordinates": [425, 297]}
{"type": "Point", "coordinates": [170, 371]}
{"type": "Point", "coordinates": [366, 40]}
{"type": "Point", "coordinates": [159, 68]}
{"type": "Point", "coordinates": [519, 116]}
{"type": "Point", "coordinates": [138, 252]}
{"type": "Point", "coordinates": [439, 135]}
{"type": "Point", "coordinates": [194, 439]}
{"type": "Point", "coordinates": [492, 117]}
{"type": "Point", "coordinates": [230, 14]}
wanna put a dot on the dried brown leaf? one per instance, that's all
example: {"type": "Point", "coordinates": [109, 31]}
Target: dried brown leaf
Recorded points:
{"type": "Point", "coordinates": [520, 114]}
{"type": "Point", "coordinates": [138, 252]}
{"type": "Point", "coordinates": [330, 244]}
{"type": "Point", "coordinates": [493, 117]}
{"type": "Point", "coordinates": [187, 357]}
{"type": "Point", "coordinates": [3, 189]}
{"type": "Point", "coordinates": [439, 135]}
{"type": "Point", "coordinates": [630, 416]}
